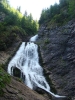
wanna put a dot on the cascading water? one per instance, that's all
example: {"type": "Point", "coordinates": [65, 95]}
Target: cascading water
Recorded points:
{"type": "Point", "coordinates": [27, 61]}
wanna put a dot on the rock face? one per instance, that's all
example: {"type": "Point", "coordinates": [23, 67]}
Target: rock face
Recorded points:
{"type": "Point", "coordinates": [5, 55]}
{"type": "Point", "coordinates": [57, 47]}
{"type": "Point", "coordinates": [17, 90]}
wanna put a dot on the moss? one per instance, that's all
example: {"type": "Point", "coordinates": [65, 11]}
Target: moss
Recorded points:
{"type": "Point", "coordinates": [64, 31]}
{"type": "Point", "coordinates": [44, 47]}
{"type": "Point", "coordinates": [4, 79]}
{"type": "Point", "coordinates": [21, 98]}
{"type": "Point", "coordinates": [62, 62]}
{"type": "Point", "coordinates": [46, 41]}
{"type": "Point", "coordinates": [18, 79]}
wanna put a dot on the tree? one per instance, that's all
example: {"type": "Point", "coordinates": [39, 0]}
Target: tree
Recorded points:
{"type": "Point", "coordinates": [43, 16]}
{"type": "Point", "coordinates": [5, 3]}
{"type": "Point", "coordinates": [30, 18]}
{"type": "Point", "coordinates": [72, 8]}
{"type": "Point", "coordinates": [35, 26]}
{"type": "Point", "coordinates": [25, 14]}
{"type": "Point", "coordinates": [63, 3]}
{"type": "Point", "coordinates": [23, 22]}
{"type": "Point", "coordinates": [19, 9]}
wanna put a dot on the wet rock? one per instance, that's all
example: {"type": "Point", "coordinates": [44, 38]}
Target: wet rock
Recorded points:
{"type": "Point", "coordinates": [16, 72]}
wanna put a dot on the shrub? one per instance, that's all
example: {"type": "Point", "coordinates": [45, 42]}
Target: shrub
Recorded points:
{"type": "Point", "coordinates": [4, 79]}
{"type": "Point", "coordinates": [46, 41]}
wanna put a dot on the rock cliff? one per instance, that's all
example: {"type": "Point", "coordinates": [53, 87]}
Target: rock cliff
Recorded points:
{"type": "Point", "coordinates": [57, 46]}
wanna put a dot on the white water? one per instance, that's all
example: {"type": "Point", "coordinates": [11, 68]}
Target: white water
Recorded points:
{"type": "Point", "coordinates": [34, 38]}
{"type": "Point", "coordinates": [27, 60]}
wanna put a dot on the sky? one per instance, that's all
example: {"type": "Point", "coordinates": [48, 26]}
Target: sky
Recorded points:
{"type": "Point", "coordinates": [32, 6]}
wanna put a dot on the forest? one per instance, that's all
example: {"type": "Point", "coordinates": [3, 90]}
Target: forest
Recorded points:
{"type": "Point", "coordinates": [13, 22]}
{"type": "Point", "coordinates": [58, 14]}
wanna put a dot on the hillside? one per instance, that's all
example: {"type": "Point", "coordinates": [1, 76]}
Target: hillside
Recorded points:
{"type": "Point", "coordinates": [17, 90]}
{"type": "Point", "coordinates": [58, 14]}
{"type": "Point", "coordinates": [14, 25]}
{"type": "Point", "coordinates": [14, 28]}
{"type": "Point", "coordinates": [57, 48]}
{"type": "Point", "coordinates": [56, 40]}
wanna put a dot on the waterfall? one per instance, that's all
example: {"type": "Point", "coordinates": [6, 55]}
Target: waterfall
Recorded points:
{"type": "Point", "coordinates": [33, 39]}
{"type": "Point", "coordinates": [27, 61]}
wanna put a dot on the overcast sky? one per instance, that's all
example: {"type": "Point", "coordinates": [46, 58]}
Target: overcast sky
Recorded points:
{"type": "Point", "coordinates": [32, 6]}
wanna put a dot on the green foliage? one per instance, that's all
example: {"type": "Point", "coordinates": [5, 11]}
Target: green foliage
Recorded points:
{"type": "Point", "coordinates": [13, 23]}
{"type": "Point", "coordinates": [4, 79]}
{"type": "Point", "coordinates": [30, 25]}
{"type": "Point", "coordinates": [17, 30]}
{"type": "Point", "coordinates": [48, 14]}
{"type": "Point", "coordinates": [58, 13]}
{"type": "Point", "coordinates": [7, 36]}
{"type": "Point", "coordinates": [72, 9]}
{"type": "Point", "coordinates": [63, 3]}
{"type": "Point", "coordinates": [14, 17]}
{"type": "Point", "coordinates": [47, 41]}
{"type": "Point", "coordinates": [2, 27]}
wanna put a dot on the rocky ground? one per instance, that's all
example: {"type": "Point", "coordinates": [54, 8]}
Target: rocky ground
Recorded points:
{"type": "Point", "coordinates": [17, 90]}
{"type": "Point", "coordinates": [57, 46]}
